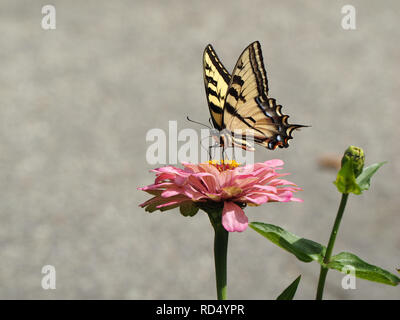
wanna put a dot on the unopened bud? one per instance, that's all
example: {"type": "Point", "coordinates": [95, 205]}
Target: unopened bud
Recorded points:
{"type": "Point", "coordinates": [356, 156]}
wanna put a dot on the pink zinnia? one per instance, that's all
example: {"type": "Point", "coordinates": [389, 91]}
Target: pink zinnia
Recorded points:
{"type": "Point", "coordinates": [220, 184]}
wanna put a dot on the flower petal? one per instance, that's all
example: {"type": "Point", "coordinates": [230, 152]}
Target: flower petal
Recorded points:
{"type": "Point", "coordinates": [231, 192]}
{"type": "Point", "coordinates": [208, 180]}
{"type": "Point", "coordinates": [172, 191]}
{"type": "Point", "coordinates": [233, 217]}
{"type": "Point", "coordinates": [192, 168]}
{"type": "Point", "coordinates": [296, 199]}
{"type": "Point", "coordinates": [256, 199]}
{"type": "Point", "coordinates": [274, 163]}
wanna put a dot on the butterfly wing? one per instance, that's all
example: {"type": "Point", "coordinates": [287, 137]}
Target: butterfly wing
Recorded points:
{"type": "Point", "coordinates": [216, 81]}
{"type": "Point", "coordinates": [248, 111]}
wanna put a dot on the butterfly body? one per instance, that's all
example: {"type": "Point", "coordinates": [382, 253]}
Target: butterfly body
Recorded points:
{"type": "Point", "coordinates": [239, 103]}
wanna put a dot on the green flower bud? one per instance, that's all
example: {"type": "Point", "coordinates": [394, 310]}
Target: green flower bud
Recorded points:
{"type": "Point", "coordinates": [352, 166]}
{"type": "Point", "coordinates": [357, 158]}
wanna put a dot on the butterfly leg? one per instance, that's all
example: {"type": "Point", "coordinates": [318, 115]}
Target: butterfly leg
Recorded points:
{"type": "Point", "coordinates": [209, 151]}
{"type": "Point", "coordinates": [209, 146]}
{"type": "Point", "coordinates": [216, 145]}
{"type": "Point", "coordinates": [225, 153]}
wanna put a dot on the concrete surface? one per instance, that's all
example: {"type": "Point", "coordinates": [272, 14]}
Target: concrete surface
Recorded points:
{"type": "Point", "coordinates": [75, 106]}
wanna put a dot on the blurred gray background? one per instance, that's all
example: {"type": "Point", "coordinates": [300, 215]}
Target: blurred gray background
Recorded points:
{"type": "Point", "coordinates": [77, 102]}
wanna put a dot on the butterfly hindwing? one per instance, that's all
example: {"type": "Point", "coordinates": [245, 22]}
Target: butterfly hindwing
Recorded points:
{"type": "Point", "coordinates": [248, 111]}
{"type": "Point", "coordinates": [216, 81]}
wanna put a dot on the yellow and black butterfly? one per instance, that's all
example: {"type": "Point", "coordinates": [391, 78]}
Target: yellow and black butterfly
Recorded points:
{"type": "Point", "coordinates": [239, 103]}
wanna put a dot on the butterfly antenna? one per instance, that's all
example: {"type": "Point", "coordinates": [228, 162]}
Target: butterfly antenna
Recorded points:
{"type": "Point", "coordinates": [202, 124]}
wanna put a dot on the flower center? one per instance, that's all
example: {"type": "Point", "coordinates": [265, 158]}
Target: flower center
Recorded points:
{"type": "Point", "coordinates": [223, 165]}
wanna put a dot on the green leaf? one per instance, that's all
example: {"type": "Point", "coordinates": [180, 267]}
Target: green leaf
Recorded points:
{"type": "Point", "coordinates": [362, 269]}
{"type": "Point", "coordinates": [363, 180]}
{"type": "Point", "coordinates": [290, 291]}
{"type": "Point", "coordinates": [304, 249]}
{"type": "Point", "coordinates": [307, 250]}
{"type": "Point", "coordinates": [188, 209]}
{"type": "Point", "coordinates": [346, 180]}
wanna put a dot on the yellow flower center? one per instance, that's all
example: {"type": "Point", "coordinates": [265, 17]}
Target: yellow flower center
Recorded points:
{"type": "Point", "coordinates": [223, 165]}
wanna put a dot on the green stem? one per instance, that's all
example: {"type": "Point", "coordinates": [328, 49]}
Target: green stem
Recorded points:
{"type": "Point", "coordinates": [220, 257]}
{"type": "Point", "coordinates": [321, 282]}
{"type": "Point", "coordinates": [220, 251]}
{"type": "Point", "coordinates": [329, 249]}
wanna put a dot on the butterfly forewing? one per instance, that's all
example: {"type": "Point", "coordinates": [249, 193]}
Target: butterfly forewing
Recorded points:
{"type": "Point", "coordinates": [216, 81]}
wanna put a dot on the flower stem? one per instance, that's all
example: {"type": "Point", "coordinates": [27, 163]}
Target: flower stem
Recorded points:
{"type": "Point", "coordinates": [329, 249]}
{"type": "Point", "coordinates": [220, 250]}
{"type": "Point", "coordinates": [220, 257]}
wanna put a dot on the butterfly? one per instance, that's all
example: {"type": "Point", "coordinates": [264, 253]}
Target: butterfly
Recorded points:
{"type": "Point", "coordinates": [239, 103]}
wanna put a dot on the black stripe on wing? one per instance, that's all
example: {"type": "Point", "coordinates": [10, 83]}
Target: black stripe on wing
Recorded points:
{"type": "Point", "coordinates": [257, 65]}
{"type": "Point", "coordinates": [218, 65]}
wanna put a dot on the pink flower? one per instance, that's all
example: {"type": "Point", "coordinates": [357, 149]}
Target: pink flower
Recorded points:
{"type": "Point", "coordinates": [225, 185]}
